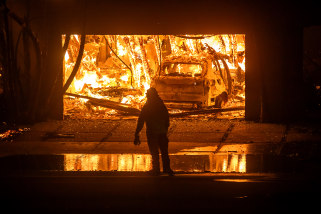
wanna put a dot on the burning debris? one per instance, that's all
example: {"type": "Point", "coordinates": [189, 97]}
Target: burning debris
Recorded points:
{"type": "Point", "coordinates": [190, 72]}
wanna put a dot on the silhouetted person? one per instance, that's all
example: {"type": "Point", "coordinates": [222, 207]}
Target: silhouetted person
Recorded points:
{"type": "Point", "coordinates": [154, 113]}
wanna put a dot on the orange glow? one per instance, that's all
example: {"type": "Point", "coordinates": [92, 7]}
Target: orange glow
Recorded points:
{"type": "Point", "coordinates": [121, 68]}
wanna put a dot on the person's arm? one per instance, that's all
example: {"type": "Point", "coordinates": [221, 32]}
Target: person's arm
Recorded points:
{"type": "Point", "coordinates": [167, 118]}
{"type": "Point", "coordinates": [140, 124]}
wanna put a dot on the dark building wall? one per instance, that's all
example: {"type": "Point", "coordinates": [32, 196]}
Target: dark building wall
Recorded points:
{"type": "Point", "coordinates": [273, 40]}
{"type": "Point", "coordinates": [282, 75]}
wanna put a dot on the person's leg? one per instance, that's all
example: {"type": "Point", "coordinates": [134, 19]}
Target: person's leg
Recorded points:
{"type": "Point", "coordinates": [163, 145]}
{"type": "Point", "coordinates": [153, 149]}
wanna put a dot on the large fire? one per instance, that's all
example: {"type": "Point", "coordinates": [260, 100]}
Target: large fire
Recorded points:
{"type": "Point", "coordinates": [120, 68]}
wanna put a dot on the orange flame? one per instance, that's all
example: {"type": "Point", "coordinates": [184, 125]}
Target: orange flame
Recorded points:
{"type": "Point", "coordinates": [103, 75]}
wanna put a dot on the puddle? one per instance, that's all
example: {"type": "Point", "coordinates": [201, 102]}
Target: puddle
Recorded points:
{"type": "Point", "coordinates": [126, 162]}
{"type": "Point", "coordinates": [234, 158]}
{"type": "Point", "coordinates": [143, 162]}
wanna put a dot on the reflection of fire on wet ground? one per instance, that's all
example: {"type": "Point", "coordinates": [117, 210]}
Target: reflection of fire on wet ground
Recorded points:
{"type": "Point", "coordinates": [230, 158]}
{"type": "Point", "coordinates": [227, 158]}
{"type": "Point", "coordinates": [142, 162]}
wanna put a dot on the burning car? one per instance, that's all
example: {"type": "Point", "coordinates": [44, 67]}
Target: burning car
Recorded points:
{"type": "Point", "coordinates": [195, 80]}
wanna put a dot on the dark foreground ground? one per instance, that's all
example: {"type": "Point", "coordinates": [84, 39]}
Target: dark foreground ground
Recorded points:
{"type": "Point", "coordinates": [282, 169]}
{"type": "Point", "coordinates": [90, 193]}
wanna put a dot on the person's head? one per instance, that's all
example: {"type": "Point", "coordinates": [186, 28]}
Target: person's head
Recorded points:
{"type": "Point", "coordinates": [151, 93]}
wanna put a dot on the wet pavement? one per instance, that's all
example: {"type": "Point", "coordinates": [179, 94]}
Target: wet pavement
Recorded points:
{"type": "Point", "coordinates": [185, 159]}
{"type": "Point", "coordinates": [221, 166]}
{"type": "Point", "coordinates": [101, 136]}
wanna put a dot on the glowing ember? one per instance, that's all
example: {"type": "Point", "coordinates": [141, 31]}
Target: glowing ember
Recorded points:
{"type": "Point", "coordinates": [10, 134]}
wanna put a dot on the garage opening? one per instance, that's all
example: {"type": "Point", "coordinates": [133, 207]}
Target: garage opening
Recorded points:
{"type": "Point", "coordinates": [194, 74]}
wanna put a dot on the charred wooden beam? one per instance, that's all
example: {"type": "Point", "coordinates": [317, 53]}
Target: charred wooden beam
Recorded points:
{"type": "Point", "coordinates": [76, 67]}
{"type": "Point", "coordinates": [108, 104]}
{"type": "Point", "coordinates": [103, 103]}
{"type": "Point", "coordinates": [207, 111]}
{"type": "Point", "coordinates": [93, 98]}
{"type": "Point", "coordinates": [64, 48]}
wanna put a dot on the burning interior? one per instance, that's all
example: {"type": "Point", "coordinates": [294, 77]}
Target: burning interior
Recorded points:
{"type": "Point", "coordinates": [192, 73]}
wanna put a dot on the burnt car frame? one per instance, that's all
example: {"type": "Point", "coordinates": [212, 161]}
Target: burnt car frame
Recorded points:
{"type": "Point", "coordinates": [195, 80]}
